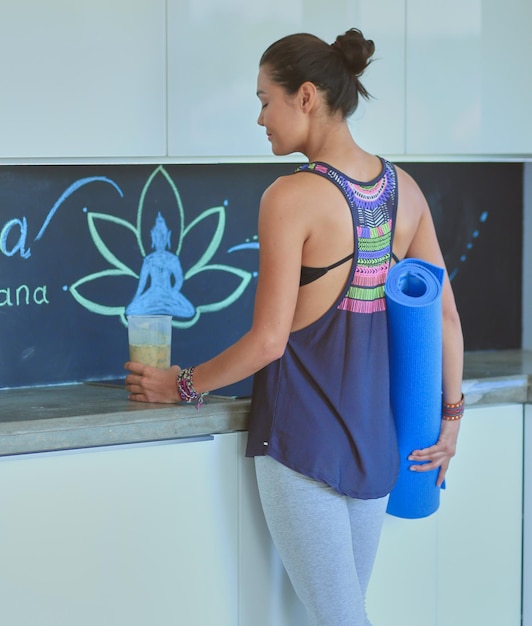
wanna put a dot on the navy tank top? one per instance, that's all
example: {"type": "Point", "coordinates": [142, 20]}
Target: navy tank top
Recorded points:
{"type": "Point", "coordinates": [323, 408]}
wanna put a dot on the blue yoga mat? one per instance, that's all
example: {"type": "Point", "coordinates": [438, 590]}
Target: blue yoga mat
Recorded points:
{"type": "Point", "coordinates": [413, 299]}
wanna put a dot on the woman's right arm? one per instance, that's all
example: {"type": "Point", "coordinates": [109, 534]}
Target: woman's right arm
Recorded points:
{"type": "Point", "coordinates": [282, 232]}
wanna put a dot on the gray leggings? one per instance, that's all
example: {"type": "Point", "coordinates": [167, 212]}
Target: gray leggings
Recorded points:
{"type": "Point", "coordinates": [327, 542]}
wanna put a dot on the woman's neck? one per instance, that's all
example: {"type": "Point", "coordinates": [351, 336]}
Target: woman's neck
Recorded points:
{"type": "Point", "coordinates": [335, 145]}
{"type": "Point", "coordinates": [329, 139]}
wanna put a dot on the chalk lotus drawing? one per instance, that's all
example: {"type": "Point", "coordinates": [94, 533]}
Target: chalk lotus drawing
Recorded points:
{"type": "Point", "coordinates": [162, 277]}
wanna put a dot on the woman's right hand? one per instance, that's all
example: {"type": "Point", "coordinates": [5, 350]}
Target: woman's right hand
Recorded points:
{"type": "Point", "coordinates": [151, 384]}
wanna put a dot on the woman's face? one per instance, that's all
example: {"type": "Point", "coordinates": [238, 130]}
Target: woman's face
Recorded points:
{"type": "Point", "coordinates": [280, 115]}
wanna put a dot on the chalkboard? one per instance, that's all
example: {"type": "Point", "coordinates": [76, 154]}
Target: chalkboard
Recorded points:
{"type": "Point", "coordinates": [74, 239]}
{"type": "Point", "coordinates": [478, 213]}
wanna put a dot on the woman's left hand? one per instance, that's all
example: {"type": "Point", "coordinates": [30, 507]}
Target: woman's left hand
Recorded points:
{"type": "Point", "coordinates": [440, 454]}
{"type": "Point", "coordinates": [151, 384]}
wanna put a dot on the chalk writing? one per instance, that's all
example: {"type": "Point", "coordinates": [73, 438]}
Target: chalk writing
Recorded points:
{"type": "Point", "coordinates": [23, 295]}
{"type": "Point", "coordinates": [19, 245]}
{"type": "Point", "coordinates": [21, 225]}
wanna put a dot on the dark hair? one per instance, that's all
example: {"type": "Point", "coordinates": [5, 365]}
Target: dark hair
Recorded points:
{"type": "Point", "coordinates": [335, 69]}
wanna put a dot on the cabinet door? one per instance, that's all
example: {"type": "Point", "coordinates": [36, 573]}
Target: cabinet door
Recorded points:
{"type": "Point", "coordinates": [403, 586]}
{"type": "Point", "coordinates": [83, 79]}
{"type": "Point", "coordinates": [480, 522]}
{"type": "Point", "coordinates": [132, 535]}
{"type": "Point", "coordinates": [213, 57]}
{"type": "Point", "coordinates": [469, 79]}
{"type": "Point", "coordinates": [462, 565]}
{"type": "Point", "coordinates": [527, 519]}
{"type": "Point", "coordinates": [266, 596]}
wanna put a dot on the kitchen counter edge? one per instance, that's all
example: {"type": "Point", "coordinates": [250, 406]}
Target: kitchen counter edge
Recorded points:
{"type": "Point", "coordinates": [89, 415]}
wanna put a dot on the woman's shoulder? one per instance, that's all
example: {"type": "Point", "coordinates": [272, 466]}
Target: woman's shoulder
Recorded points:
{"type": "Point", "coordinates": [410, 193]}
{"type": "Point", "coordinates": [407, 182]}
{"type": "Point", "coordinates": [291, 188]}
{"type": "Point", "coordinates": [413, 217]}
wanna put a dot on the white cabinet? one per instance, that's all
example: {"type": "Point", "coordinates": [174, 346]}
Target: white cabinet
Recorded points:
{"type": "Point", "coordinates": [173, 533]}
{"type": "Point", "coordinates": [266, 596]}
{"type": "Point", "coordinates": [527, 520]}
{"type": "Point", "coordinates": [136, 535]}
{"type": "Point", "coordinates": [213, 56]}
{"type": "Point", "coordinates": [468, 80]}
{"type": "Point", "coordinates": [480, 522]}
{"type": "Point", "coordinates": [83, 79]}
{"type": "Point", "coordinates": [177, 78]}
{"type": "Point", "coordinates": [403, 586]}
{"type": "Point", "coordinates": [462, 565]}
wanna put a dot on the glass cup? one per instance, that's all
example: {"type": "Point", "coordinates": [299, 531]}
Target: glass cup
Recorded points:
{"type": "Point", "coordinates": [150, 339]}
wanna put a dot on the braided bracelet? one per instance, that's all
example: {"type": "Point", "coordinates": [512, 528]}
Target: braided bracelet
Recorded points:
{"type": "Point", "coordinates": [452, 411]}
{"type": "Point", "coordinates": [186, 389]}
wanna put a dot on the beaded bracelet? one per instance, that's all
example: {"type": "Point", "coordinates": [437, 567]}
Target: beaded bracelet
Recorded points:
{"type": "Point", "coordinates": [186, 389]}
{"type": "Point", "coordinates": [452, 411]}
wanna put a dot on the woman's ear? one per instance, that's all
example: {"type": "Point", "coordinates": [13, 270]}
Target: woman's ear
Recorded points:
{"type": "Point", "coordinates": [307, 96]}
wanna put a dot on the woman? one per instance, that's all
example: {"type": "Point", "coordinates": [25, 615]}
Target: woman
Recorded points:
{"type": "Point", "coordinates": [321, 428]}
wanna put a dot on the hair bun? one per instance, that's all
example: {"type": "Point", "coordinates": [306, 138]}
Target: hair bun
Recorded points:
{"type": "Point", "coordinates": [356, 50]}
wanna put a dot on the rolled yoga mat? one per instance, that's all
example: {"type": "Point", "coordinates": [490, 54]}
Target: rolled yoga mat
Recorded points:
{"type": "Point", "coordinates": [413, 298]}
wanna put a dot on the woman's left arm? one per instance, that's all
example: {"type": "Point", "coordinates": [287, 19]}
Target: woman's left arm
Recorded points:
{"type": "Point", "coordinates": [424, 245]}
{"type": "Point", "coordinates": [440, 454]}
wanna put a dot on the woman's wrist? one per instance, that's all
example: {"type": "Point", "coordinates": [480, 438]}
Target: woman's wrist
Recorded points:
{"type": "Point", "coordinates": [453, 411]}
{"type": "Point", "coordinates": [185, 387]}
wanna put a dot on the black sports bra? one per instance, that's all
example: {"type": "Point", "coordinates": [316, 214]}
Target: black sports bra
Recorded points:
{"type": "Point", "coordinates": [310, 274]}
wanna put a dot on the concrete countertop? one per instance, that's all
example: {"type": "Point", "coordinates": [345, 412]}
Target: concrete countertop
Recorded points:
{"type": "Point", "coordinates": [86, 415]}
